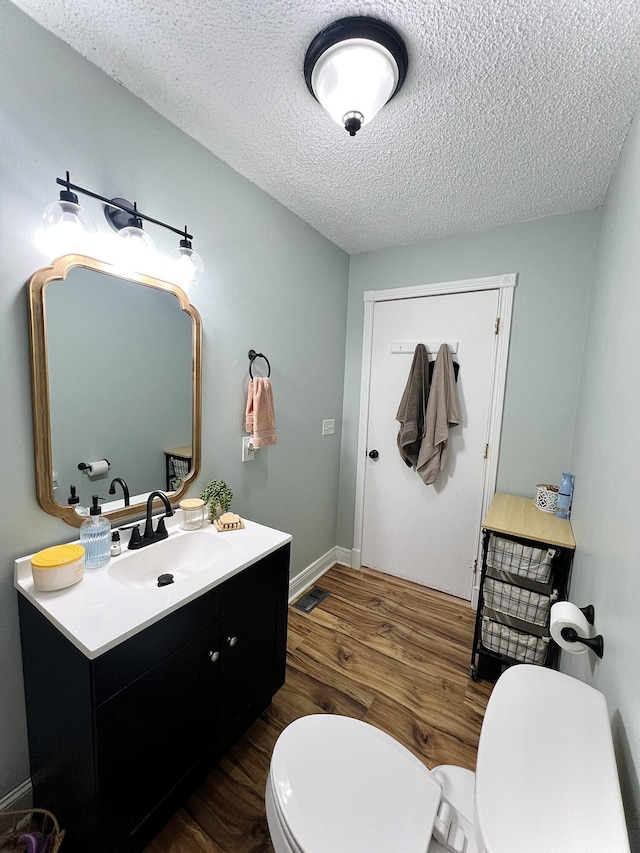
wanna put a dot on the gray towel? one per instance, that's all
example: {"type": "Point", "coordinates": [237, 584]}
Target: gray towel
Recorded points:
{"type": "Point", "coordinates": [443, 412]}
{"type": "Point", "coordinates": [413, 408]}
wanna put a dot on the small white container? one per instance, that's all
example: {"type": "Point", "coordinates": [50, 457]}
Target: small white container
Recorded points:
{"type": "Point", "coordinates": [57, 567]}
{"type": "Point", "coordinates": [546, 497]}
{"type": "Point", "coordinates": [192, 513]}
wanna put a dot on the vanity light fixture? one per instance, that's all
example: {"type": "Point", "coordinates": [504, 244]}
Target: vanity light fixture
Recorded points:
{"type": "Point", "coordinates": [354, 67]}
{"type": "Point", "coordinates": [126, 219]}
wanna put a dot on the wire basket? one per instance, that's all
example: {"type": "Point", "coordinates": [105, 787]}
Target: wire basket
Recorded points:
{"type": "Point", "coordinates": [27, 830]}
{"type": "Point", "coordinates": [519, 559]}
{"type": "Point", "coordinates": [514, 644]}
{"type": "Point", "coordinates": [517, 602]}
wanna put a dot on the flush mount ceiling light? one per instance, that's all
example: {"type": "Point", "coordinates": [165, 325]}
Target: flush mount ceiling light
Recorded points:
{"type": "Point", "coordinates": [353, 67]}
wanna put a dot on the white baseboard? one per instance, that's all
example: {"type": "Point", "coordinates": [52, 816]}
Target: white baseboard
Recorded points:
{"type": "Point", "coordinates": [20, 798]}
{"type": "Point", "coordinates": [307, 577]}
{"type": "Point", "coordinates": [343, 556]}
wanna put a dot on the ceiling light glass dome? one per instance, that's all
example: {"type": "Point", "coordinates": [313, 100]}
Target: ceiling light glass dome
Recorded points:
{"type": "Point", "coordinates": [354, 67]}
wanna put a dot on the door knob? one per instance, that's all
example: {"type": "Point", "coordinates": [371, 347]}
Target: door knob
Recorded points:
{"type": "Point", "coordinates": [232, 641]}
{"type": "Point", "coordinates": [373, 454]}
{"type": "Point", "coordinates": [213, 656]}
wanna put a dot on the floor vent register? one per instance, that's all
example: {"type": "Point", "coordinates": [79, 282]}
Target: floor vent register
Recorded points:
{"type": "Point", "coordinates": [311, 599]}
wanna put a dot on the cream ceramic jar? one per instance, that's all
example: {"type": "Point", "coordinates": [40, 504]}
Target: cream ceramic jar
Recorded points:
{"type": "Point", "coordinates": [57, 567]}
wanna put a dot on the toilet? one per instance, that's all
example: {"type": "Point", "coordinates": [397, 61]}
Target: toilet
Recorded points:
{"type": "Point", "coordinates": [545, 781]}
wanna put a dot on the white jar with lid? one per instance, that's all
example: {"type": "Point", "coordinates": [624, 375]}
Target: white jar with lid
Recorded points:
{"type": "Point", "coordinates": [192, 513]}
{"type": "Point", "coordinates": [57, 567]}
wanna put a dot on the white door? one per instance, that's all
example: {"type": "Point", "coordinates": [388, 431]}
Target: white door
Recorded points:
{"type": "Point", "coordinates": [429, 534]}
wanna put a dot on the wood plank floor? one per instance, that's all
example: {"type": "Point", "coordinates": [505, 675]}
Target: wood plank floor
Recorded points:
{"type": "Point", "coordinates": [378, 648]}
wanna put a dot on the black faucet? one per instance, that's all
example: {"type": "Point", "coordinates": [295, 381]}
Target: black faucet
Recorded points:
{"type": "Point", "coordinates": [125, 489]}
{"type": "Point", "coordinates": [151, 535]}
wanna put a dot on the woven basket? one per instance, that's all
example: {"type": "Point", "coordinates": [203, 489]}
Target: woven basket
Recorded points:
{"type": "Point", "coordinates": [546, 497]}
{"type": "Point", "coordinates": [14, 825]}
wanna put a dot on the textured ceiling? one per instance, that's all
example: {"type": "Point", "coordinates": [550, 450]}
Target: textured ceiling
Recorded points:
{"type": "Point", "coordinates": [511, 110]}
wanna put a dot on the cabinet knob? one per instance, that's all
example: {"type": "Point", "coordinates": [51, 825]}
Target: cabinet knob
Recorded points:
{"type": "Point", "coordinates": [373, 454]}
{"type": "Point", "coordinates": [232, 641]}
{"type": "Point", "coordinates": [213, 656]}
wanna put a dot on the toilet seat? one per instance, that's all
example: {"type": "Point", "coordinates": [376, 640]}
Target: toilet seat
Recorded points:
{"type": "Point", "coordinates": [342, 785]}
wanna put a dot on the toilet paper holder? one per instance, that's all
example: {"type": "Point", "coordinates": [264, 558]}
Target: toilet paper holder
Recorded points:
{"type": "Point", "coordinates": [88, 466]}
{"type": "Point", "coordinates": [596, 644]}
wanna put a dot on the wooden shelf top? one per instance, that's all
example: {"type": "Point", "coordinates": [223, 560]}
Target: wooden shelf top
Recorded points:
{"type": "Point", "coordinates": [517, 516]}
{"type": "Point", "coordinates": [182, 452]}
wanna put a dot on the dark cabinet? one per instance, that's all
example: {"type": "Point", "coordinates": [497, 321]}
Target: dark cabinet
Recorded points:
{"type": "Point", "coordinates": [117, 742]}
{"type": "Point", "coordinates": [526, 566]}
{"type": "Point", "coordinates": [147, 740]}
{"type": "Point", "coordinates": [250, 640]}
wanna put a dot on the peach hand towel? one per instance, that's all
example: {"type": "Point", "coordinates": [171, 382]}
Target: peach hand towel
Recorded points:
{"type": "Point", "coordinates": [260, 415]}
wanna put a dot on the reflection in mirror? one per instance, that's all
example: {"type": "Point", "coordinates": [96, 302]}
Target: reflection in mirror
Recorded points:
{"type": "Point", "coordinates": [116, 369]}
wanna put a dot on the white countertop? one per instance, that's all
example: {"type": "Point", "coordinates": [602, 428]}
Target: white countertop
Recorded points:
{"type": "Point", "coordinates": [100, 612]}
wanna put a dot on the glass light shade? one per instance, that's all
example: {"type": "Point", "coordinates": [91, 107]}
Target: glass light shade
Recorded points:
{"type": "Point", "coordinates": [136, 239]}
{"type": "Point", "coordinates": [354, 76]}
{"type": "Point", "coordinates": [187, 265]}
{"type": "Point", "coordinates": [136, 248]}
{"type": "Point", "coordinates": [67, 227]}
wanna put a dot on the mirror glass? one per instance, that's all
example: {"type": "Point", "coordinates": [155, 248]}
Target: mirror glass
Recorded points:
{"type": "Point", "coordinates": [116, 369]}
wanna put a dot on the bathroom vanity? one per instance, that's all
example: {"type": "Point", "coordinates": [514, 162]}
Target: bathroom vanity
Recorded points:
{"type": "Point", "coordinates": [126, 714]}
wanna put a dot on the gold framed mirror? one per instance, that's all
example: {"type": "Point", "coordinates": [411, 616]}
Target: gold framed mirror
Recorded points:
{"type": "Point", "coordinates": [116, 377]}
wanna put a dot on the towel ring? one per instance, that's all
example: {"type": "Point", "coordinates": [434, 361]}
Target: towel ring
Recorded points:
{"type": "Point", "coordinates": [252, 356]}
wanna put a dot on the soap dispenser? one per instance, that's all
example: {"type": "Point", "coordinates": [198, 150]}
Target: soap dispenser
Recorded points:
{"type": "Point", "coordinates": [74, 501]}
{"type": "Point", "coordinates": [95, 536]}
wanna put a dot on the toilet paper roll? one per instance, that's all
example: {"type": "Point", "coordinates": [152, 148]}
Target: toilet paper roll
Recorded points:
{"type": "Point", "coordinates": [564, 614]}
{"type": "Point", "coordinates": [98, 469]}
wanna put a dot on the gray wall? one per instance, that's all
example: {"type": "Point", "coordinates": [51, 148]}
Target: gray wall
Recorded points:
{"type": "Point", "coordinates": [553, 258]}
{"type": "Point", "coordinates": [606, 463]}
{"type": "Point", "coordinates": [269, 280]}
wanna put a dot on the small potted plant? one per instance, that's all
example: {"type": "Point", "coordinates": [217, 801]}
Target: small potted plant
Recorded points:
{"type": "Point", "coordinates": [217, 495]}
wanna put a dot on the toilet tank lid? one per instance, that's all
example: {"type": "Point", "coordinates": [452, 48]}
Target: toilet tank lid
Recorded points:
{"type": "Point", "coordinates": [546, 777]}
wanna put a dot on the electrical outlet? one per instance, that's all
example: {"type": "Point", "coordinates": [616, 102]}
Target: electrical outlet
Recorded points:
{"type": "Point", "coordinates": [248, 451]}
{"type": "Point", "coordinates": [329, 426]}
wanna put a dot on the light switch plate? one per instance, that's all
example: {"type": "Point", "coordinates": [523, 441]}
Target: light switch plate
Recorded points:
{"type": "Point", "coordinates": [248, 451]}
{"type": "Point", "coordinates": [329, 426]}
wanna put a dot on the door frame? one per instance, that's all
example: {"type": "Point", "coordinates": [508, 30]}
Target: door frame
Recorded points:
{"type": "Point", "coordinates": [505, 285]}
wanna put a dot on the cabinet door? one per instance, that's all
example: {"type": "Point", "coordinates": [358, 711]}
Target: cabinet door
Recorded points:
{"type": "Point", "coordinates": [147, 741]}
{"type": "Point", "coordinates": [209, 701]}
{"type": "Point", "coordinates": [253, 649]}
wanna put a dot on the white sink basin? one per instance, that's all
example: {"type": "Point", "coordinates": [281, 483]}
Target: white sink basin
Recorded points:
{"type": "Point", "coordinates": [118, 600]}
{"type": "Point", "coordinates": [180, 555]}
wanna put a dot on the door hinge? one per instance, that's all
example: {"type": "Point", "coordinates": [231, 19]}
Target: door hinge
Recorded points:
{"type": "Point", "coordinates": [486, 450]}
{"type": "Point", "coordinates": [497, 325]}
